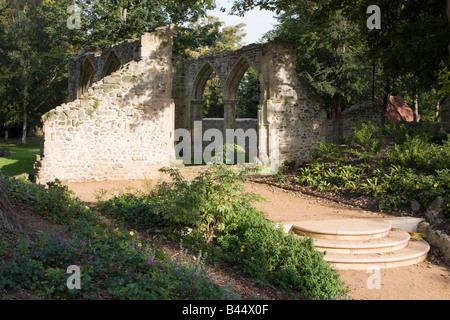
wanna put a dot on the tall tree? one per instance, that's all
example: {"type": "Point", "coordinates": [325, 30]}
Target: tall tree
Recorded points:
{"type": "Point", "coordinates": [209, 36]}
{"type": "Point", "coordinates": [109, 21]}
{"type": "Point", "coordinates": [412, 41]}
{"type": "Point", "coordinates": [330, 57]}
{"type": "Point", "coordinates": [33, 60]}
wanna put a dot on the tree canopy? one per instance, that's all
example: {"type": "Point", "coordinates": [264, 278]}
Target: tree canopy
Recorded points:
{"type": "Point", "coordinates": [337, 49]}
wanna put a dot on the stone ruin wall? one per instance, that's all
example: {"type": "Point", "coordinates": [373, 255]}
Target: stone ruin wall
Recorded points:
{"type": "Point", "coordinates": [287, 104]}
{"type": "Point", "coordinates": [121, 127]}
{"type": "Point", "coordinates": [294, 109]}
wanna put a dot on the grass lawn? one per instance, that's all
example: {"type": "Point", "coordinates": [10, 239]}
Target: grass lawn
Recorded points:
{"type": "Point", "coordinates": [22, 156]}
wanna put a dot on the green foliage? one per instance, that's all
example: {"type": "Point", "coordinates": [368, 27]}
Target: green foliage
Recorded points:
{"type": "Point", "coordinates": [115, 263]}
{"type": "Point", "coordinates": [419, 154]}
{"type": "Point", "coordinates": [329, 55]}
{"type": "Point", "coordinates": [256, 247]}
{"type": "Point", "coordinates": [20, 272]}
{"type": "Point", "coordinates": [327, 150]}
{"type": "Point", "coordinates": [53, 201]}
{"type": "Point", "coordinates": [366, 136]}
{"type": "Point", "coordinates": [249, 95]}
{"type": "Point", "coordinates": [209, 201]}
{"type": "Point", "coordinates": [222, 221]}
{"type": "Point", "coordinates": [329, 176]}
{"type": "Point", "coordinates": [403, 185]}
{"type": "Point", "coordinates": [135, 211]}
{"type": "Point", "coordinates": [414, 167]}
{"type": "Point", "coordinates": [213, 95]}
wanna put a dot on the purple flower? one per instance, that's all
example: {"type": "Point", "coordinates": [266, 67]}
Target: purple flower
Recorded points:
{"type": "Point", "coordinates": [160, 270]}
{"type": "Point", "coordinates": [92, 257]}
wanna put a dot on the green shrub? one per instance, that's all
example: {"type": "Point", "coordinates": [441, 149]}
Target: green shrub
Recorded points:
{"type": "Point", "coordinates": [208, 202]}
{"type": "Point", "coordinates": [327, 176]}
{"type": "Point", "coordinates": [404, 185]}
{"type": "Point", "coordinates": [401, 132]}
{"type": "Point", "coordinates": [366, 136]}
{"type": "Point", "coordinates": [136, 211]}
{"type": "Point", "coordinates": [256, 247]}
{"type": "Point", "coordinates": [54, 201]}
{"type": "Point", "coordinates": [21, 272]}
{"type": "Point", "coordinates": [419, 154]}
{"type": "Point", "coordinates": [327, 151]}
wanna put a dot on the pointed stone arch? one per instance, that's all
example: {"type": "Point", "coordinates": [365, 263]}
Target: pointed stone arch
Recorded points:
{"type": "Point", "coordinates": [111, 65]}
{"type": "Point", "coordinates": [200, 81]}
{"type": "Point", "coordinates": [87, 77]}
{"type": "Point", "coordinates": [230, 92]}
{"type": "Point", "coordinates": [234, 78]}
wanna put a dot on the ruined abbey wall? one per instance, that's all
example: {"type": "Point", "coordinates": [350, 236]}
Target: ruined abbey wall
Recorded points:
{"type": "Point", "coordinates": [121, 127]}
{"type": "Point", "coordinates": [127, 100]}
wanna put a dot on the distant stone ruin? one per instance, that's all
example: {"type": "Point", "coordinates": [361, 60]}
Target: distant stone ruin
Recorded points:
{"type": "Point", "coordinates": [127, 102]}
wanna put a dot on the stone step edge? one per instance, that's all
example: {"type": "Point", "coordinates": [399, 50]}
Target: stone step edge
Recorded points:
{"type": "Point", "coordinates": [415, 252]}
{"type": "Point", "coordinates": [409, 224]}
{"type": "Point", "coordinates": [343, 227]}
{"type": "Point", "coordinates": [396, 240]}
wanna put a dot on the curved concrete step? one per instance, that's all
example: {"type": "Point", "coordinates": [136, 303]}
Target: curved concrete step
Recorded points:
{"type": "Point", "coordinates": [396, 240]}
{"type": "Point", "coordinates": [348, 229]}
{"type": "Point", "coordinates": [414, 252]}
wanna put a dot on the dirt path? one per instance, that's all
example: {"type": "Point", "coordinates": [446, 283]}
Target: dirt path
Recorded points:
{"type": "Point", "coordinates": [428, 280]}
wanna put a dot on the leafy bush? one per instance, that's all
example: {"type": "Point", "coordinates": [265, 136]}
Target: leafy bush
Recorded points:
{"type": "Point", "coordinates": [417, 153]}
{"type": "Point", "coordinates": [331, 176]}
{"type": "Point", "coordinates": [135, 211]}
{"type": "Point", "coordinates": [21, 272]}
{"type": "Point", "coordinates": [216, 206]}
{"type": "Point", "coordinates": [114, 262]}
{"type": "Point", "coordinates": [404, 185]}
{"type": "Point", "coordinates": [327, 150]}
{"type": "Point", "coordinates": [53, 201]}
{"type": "Point", "coordinates": [256, 247]}
{"type": "Point", "coordinates": [209, 202]}
{"type": "Point", "coordinates": [366, 136]}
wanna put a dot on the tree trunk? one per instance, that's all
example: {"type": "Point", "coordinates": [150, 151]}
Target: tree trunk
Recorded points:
{"type": "Point", "coordinates": [6, 135]}
{"type": "Point", "coordinates": [386, 97]}
{"type": "Point", "coordinates": [436, 115]}
{"type": "Point", "coordinates": [24, 127]}
{"type": "Point", "coordinates": [416, 108]}
{"type": "Point", "coordinates": [8, 215]}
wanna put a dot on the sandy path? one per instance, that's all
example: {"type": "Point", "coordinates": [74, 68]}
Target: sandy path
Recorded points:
{"type": "Point", "coordinates": [428, 280]}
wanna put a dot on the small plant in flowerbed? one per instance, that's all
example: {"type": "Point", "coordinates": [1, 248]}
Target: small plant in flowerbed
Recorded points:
{"type": "Point", "coordinates": [415, 166]}
{"type": "Point", "coordinates": [213, 212]}
{"type": "Point", "coordinates": [115, 263]}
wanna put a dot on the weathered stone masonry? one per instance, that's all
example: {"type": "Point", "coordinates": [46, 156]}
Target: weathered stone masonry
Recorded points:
{"type": "Point", "coordinates": [127, 100]}
{"type": "Point", "coordinates": [121, 126]}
